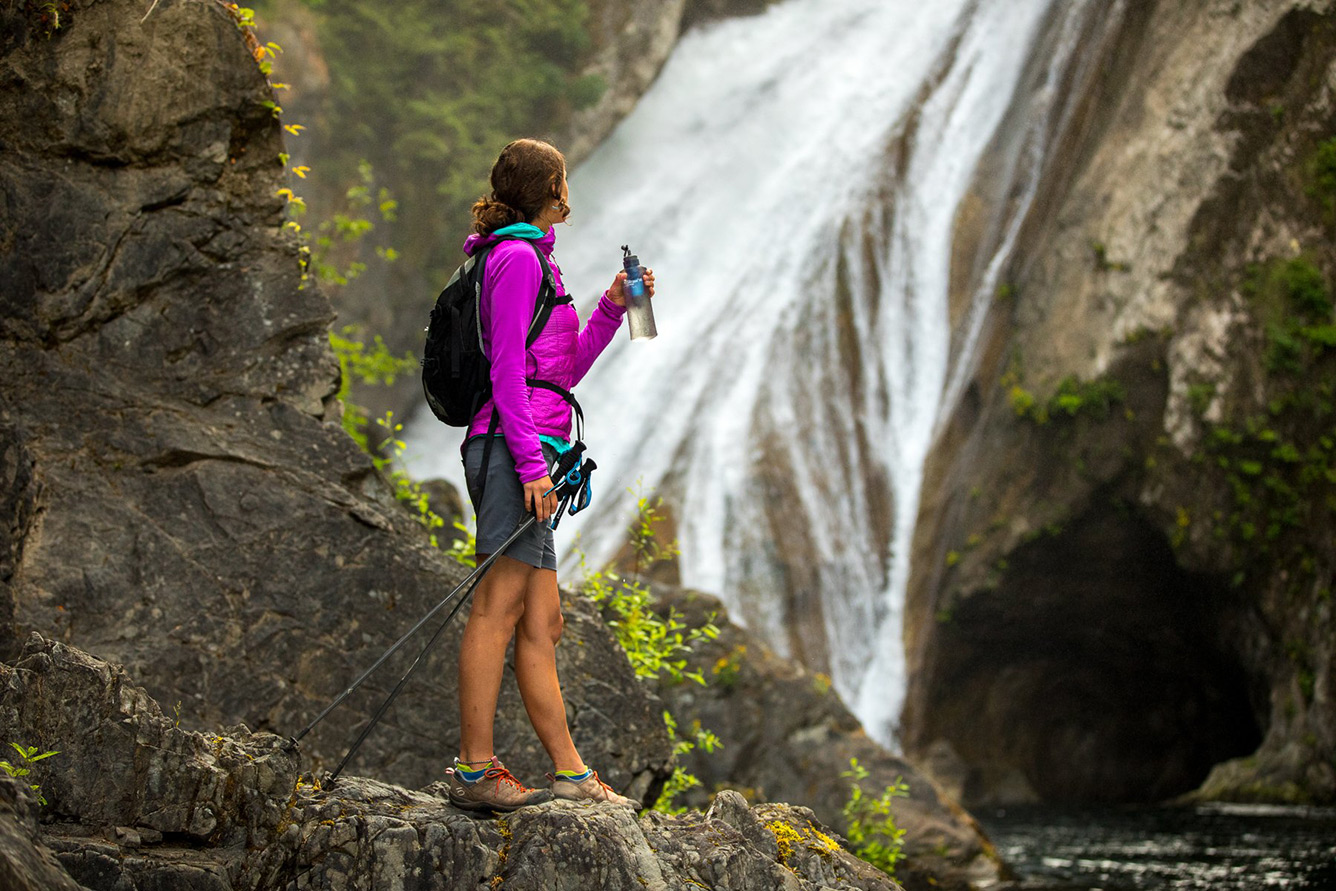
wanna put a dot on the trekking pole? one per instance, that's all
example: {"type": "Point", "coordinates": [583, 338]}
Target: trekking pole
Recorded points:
{"type": "Point", "coordinates": [567, 482]}
{"type": "Point", "coordinates": [384, 706]}
{"type": "Point", "coordinates": [477, 572]}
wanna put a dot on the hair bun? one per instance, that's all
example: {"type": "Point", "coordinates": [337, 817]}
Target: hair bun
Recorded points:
{"type": "Point", "coordinates": [490, 214]}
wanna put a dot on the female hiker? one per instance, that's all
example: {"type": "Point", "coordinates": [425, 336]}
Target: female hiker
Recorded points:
{"type": "Point", "coordinates": [518, 597]}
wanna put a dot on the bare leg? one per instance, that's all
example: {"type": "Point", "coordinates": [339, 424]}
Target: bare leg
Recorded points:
{"type": "Point", "coordinates": [536, 668]}
{"type": "Point", "coordinates": [498, 605]}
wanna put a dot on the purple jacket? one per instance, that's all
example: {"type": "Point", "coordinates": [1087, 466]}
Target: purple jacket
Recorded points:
{"type": "Point", "coordinates": [562, 353]}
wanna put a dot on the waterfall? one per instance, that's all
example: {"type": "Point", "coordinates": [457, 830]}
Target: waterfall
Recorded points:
{"type": "Point", "coordinates": [794, 179]}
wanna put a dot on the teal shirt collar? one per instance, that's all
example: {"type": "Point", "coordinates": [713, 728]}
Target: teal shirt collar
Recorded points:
{"type": "Point", "coordinates": [520, 230]}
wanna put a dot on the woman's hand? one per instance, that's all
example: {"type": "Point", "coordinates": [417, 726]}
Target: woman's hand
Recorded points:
{"type": "Point", "coordinates": [617, 293]}
{"type": "Point", "coordinates": [535, 503]}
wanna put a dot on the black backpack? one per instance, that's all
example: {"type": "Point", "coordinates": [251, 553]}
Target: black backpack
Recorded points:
{"type": "Point", "coordinates": [456, 374]}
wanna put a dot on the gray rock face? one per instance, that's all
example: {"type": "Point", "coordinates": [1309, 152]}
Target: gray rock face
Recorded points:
{"type": "Point", "coordinates": [25, 863]}
{"type": "Point", "coordinates": [139, 802]}
{"type": "Point", "coordinates": [787, 736]}
{"type": "Point", "coordinates": [1128, 600]}
{"type": "Point", "coordinates": [179, 495]}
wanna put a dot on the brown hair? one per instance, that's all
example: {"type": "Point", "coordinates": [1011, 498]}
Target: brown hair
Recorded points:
{"type": "Point", "coordinates": [526, 178]}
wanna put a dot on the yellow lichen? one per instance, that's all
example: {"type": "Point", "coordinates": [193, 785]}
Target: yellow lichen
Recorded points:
{"type": "Point", "coordinates": [785, 837]}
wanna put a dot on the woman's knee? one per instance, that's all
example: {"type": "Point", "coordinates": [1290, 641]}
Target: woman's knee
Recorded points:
{"type": "Point", "coordinates": [499, 600]}
{"type": "Point", "coordinates": [542, 626]}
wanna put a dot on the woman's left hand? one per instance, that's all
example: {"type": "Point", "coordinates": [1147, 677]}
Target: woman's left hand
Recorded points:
{"type": "Point", "coordinates": [617, 293]}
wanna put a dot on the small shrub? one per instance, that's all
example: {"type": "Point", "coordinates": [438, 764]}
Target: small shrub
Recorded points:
{"type": "Point", "coordinates": [728, 667]}
{"type": "Point", "coordinates": [682, 779]}
{"type": "Point", "coordinates": [655, 645]}
{"type": "Point", "coordinates": [1323, 173]}
{"type": "Point", "coordinates": [28, 755]}
{"type": "Point", "coordinates": [870, 824]}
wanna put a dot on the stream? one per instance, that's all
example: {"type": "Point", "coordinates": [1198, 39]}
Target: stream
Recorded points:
{"type": "Point", "coordinates": [1211, 847]}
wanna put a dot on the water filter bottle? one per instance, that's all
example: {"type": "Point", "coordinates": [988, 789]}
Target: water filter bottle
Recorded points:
{"type": "Point", "coordinates": [638, 309]}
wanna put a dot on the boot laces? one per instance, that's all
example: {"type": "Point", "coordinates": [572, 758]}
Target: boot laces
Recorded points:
{"type": "Point", "coordinates": [501, 775]}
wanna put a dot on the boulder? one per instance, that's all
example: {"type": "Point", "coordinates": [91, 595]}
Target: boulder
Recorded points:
{"type": "Point", "coordinates": [25, 863]}
{"type": "Point", "coordinates": [786, 735]}
{"type": "Point", "coordinates": [136, 801]}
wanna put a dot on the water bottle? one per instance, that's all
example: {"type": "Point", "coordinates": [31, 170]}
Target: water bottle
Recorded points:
{"type": "Point", "coordinates": [638, 309]}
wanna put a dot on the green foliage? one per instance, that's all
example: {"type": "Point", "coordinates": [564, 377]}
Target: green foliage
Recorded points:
{"type": "Point", "coordinates": [371, 364]}
{"type": "Point", "coordinates": [656, 645]}
{"type": "Point", "coordinates": [870, 823]}
{"type": "Point", "coordinates": [1073, 397]}
{"type": "Point", "coordinates": [683, 780]}
{"type": "Point", "coordinates": [1022, 400]}
{"type": "Point", "coordinates": [645, 547]}
{"type": "Point", "coordinates": [1096, 397]}
{"type": "Point", "coordinates": [406, 489]}
{"type": "Point", "coordinates": [728, 668]}
{"type": "Point", "coordinates": [1102, 261]}
{"type": "Point", "coordinates": [1200, 396]}
{"type": "Point", "coordinates": [1322, 169]}
{"type": "Point", "coordinates": [28, 756]}
{"type": "Point", "coordinates": [464, 549]}
{"type": "Point", "coordinates": [1294, 305]}
{"type": "Point", "coordinates": [429, 91]}
{"type": "Point", "coordinates": [333, 257]}
{"type": "Point", "coordinates": [45, 15]}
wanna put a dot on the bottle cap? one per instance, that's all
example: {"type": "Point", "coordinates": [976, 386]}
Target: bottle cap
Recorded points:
{"type": "Point", "coordinates": [629, 259]}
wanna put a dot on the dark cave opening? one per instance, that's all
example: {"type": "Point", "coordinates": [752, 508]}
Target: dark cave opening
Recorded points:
{"type": "Point", "coordinates": [1099, 669]}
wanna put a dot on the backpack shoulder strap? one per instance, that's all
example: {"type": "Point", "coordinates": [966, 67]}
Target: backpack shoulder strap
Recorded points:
{"type": "Point", "coordinates": [544, 302]}
{"type": "Point", "coordinates": [547, 299]}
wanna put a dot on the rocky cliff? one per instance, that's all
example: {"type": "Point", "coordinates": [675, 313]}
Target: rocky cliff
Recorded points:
{"type": "Point", "coordinates": [1123, 566]}
{"type": "Point", "coordinates": [142, 803]}
{"type": "Point", "coordinates": [180, 499]}
{"type": "Point", "coordinates": [180, 496]}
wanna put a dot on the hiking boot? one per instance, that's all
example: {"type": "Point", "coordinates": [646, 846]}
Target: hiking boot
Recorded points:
{"type": "Point", "coordinates": [496, 790]}
{"type": "Point", "coordinates": [589, 789]}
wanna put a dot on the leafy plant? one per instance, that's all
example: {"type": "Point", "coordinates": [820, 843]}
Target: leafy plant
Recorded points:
{"type": "Point", "coordinates": [370, 363]}
{"type": "Point", "coordinates": [646, 549]}
{"type": "Point", "coordinates": [464, 549]}
{"type": "Point", "coordinates": [870, 823]}
{"type": "Point", "coordinates": [28, 756]}
{"type": "Point", "coordinates": [333, 258]}
{"type": "Point", "coordinates": [406, 489]}
{"type": "Point", "coordinates": [682, 779]}
{"type": "Point", "coordinates": [655, 645]}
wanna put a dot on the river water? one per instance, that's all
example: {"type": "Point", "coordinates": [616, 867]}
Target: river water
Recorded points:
{"type": "Point", "coordinates": [1216, 847]}
{"type": "Point", "coordinates": [794, 179]}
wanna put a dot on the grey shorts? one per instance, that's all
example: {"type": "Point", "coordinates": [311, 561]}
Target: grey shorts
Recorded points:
{"type": "Point", "coordinates": [502, 507]}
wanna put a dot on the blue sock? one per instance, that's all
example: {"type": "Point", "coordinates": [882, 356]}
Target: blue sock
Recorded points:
{"type": "Point", "coordinates": [468, 776]}
{"type": "Point", "coordinates": [575, 776]}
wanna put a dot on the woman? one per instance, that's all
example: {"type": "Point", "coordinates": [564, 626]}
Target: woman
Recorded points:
{"type": "Point", "coordinates": [518, 596]}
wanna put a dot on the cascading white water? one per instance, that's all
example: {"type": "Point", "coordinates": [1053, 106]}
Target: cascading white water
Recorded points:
{"type": "Point", "coordinates": [793, 179]}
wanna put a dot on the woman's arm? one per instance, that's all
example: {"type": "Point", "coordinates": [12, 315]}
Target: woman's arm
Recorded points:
{"type": "Point", "coordinates": [596, 335]}
{"type": "Point", "coordinates": [603, 324]}
{"type": "Point", "coordinates": [510, 287]}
